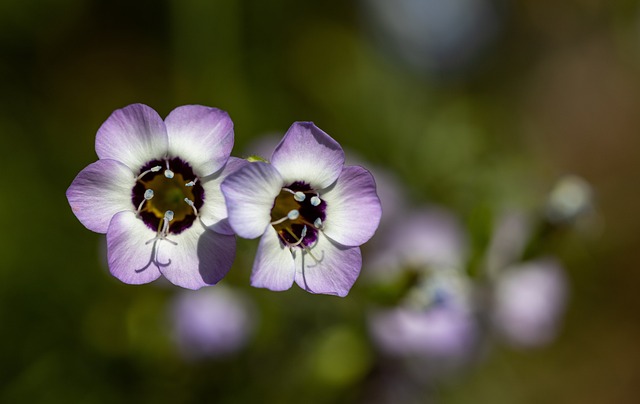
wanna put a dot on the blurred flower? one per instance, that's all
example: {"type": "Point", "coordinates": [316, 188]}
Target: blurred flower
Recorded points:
{"type": "Point", "coordinates": [570, 197]}
{"type": "Point", "coordinates": [426, 238]}
{"type": "Point", "coordinates": [211, 322]}
{"type": "Point", "coordinates": [312, 212]}
{"type": "Point", "coordinates": [155, 192]}
{"type": "Point", "coordinates": [529, 300]}
{"type": "Point", "coordinates": [433, 34]}
{"type": "Point", "coordinates": [435, 320]}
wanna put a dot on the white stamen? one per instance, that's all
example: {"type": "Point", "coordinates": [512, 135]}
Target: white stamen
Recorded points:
{"type": "Point", "coordinates": [318, 223]}
{"type": "Point", "coordinates": [148, 194]}
{"type": "Point", "coordinates": [191, 183]}
{"type": "Point", "coordinates": [302, 236]}
{"type": "Point", "coordinates": [315, 200]}
{"type": "Point", "coordinates": [151, 170]}
{"type": "Point", "coordinates": [292, 215]}
{"type": "Point", "coordinates": [299, 196]}
{"type": "Point", "coordinates": [168, 215]}
{"type": "Point", "coordinates": [193, 206]}
{"type": "Point", "coordinates": [162, 234]}
{"type": "Point", "coordinates": [168, 173]}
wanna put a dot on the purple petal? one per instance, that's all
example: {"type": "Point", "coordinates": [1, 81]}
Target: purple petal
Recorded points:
{"type": "Point", "coordinates": [213, 212]}
{"type": "Point", "coordinates": [250, 193]}
{"type": "Point", "coordinates": [273, 267]}
{"type": "Point", "coordinates": [335, 271]}
{"type": "Point", "coordinates": [202, 136]}
{"type": "Point", "coordinates": [199, 258]}
{"type": "Point", "coordinates": [130, 259]}
{"type": "Point", "coordinates": [100, 191]}
{"type": "Point", "coordinates": [308, 154]}
{"type": "Point", "coordinates": [529, 302]}
{"type": "Point", "coordinates": [353, 208]}
{"type": "Point", "coordinates": [133, 135]}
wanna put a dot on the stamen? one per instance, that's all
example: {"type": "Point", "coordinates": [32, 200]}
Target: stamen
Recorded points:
{"type": "Point", "coordinates": [302, 236]}
{"type": "Point", "coordinates": [148, 194]}
{"type": "Point", "coordinates": [292, 215]}
{"type": "Point", "coordinates": [191, 183]}
{"type": "Point", "coordinates": [315, 200]}
{"type": "Point", "coordinates": [317, 223]}
{"type": "Point", "coordinates": [193, 206]}
{"type": "Point", "coordinates": [168, 173]}
{"type": "Point", "coordinates": [151, 170]}
{"type": "Point", "coordinates": [162, 233]}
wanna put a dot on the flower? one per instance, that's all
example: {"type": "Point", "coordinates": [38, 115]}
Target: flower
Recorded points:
{"type": "Point", "coordinates": [155, 192]}
{"type": "Point", "coordinates": [529, 300]}
{"type": "Point", "coordinates": [312, 212]}
{"type": "Point", "coordinates": [211, 322]}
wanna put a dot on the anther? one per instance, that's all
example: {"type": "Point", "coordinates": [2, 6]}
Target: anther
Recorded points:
{"type": "Point", "coordinates": [293, 214]}
{"type": "Point", "coordinates": [148, 194]}
{"type": "Point", "coordinates": [193, 206]}
{"type": "Point", "coordinates": [151, 170]}
{"type": "Point", "coordinates": [315, 200]}
{"type": "Point", "coordinates": [317, 223]}
{"type": "Point", "coordinates": [168, 173]}
{"type": "Point", "coordinates": [299, 196]}
{"type": "Point", "coordinates": [191, 183]}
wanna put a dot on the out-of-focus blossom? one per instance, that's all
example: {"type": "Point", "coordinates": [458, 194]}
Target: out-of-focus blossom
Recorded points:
{"type": "Point", "coordinates": [211, 322]}
{"type": "Point", "coordinates": [436, 320]}
{"type": "Point", "coordinates": [421, 239]}
{"type": "Point", "coordinates": [312, 212]}
{"type": "Point", "coordinates": [155, 192]}
{"type": "Point", "coordinates": [433, 34]}
{"type": "Point", "coordinates": [529, 301]}
{"type": "Point", "coordinates": [570, 197]}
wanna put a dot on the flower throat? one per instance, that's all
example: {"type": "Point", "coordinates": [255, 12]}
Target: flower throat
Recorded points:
{"type": "Point", "coordinates": [167, 196]}
{"type": "Point", "coordinates": [297, 215]}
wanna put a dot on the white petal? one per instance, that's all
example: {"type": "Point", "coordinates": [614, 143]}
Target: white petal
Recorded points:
{"type": "Point", "coordinates": [213, 212]}
{"type": "Point", "coordinates": [130, 259]}
{"type": "Point", "coordinates": [333, 271]}
{"type": "Point", "coordinates": [202, 136]}
{"type": "Point", "coordinates": [100, 191]}
{"type": "Point", "coordinates": [198, 258]}
{"type": "Point", "coordinates": [273, 267]}
{"type": "Point", "coordinates": [308, 154]}
{"type": "Point", "coordinates": [250, 194]}
{"type": "Point", "coordinates": [133, 135]}
{"type": "Point", "coordinates": [353, 208]}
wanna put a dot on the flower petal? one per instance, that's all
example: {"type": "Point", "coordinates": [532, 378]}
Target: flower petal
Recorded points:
{"type": "Point", "coordinates": [308, 154]}
{"type": "Point", "coordinates": [213, 212]}
{"type": "Point", "coordinates": [353, 208]}
{"type": "Point", "coordinates": [199, 258]}
{"type": "Point", "coordinates": [133, 135]}
{"type": "Point", "coordinates": [250, 193]}
{"type": "Point", "coordinates": [335, 271]}
{"type": "Point", "coordinates": [203, 136]}
{"type": "Point", "coordinates": [100, 191]}
{"type": "Point", "coordinates": [130, 259]}
{"type": "Point", "coordinates": [273, 267]}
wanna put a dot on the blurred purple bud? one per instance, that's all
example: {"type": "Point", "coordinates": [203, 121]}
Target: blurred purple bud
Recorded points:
{"type": "Point", "coordinates": [529, 302]}
{"type": "Point", "coordinates": [211, 322]}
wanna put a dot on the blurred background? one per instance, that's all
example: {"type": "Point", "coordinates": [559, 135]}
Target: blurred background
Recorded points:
{"type": "Point", "coordinates": [472, 109]}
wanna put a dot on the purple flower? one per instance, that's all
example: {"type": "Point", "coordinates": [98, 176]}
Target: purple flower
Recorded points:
{"type": "Point", "coordinates": [529, 300]}
{"type": "Point", "coordinates": [155, 192]}
{"type": "Point", "coordinates": [312, 212]}
{"type": "Point", "coordinates": [211, 322]}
